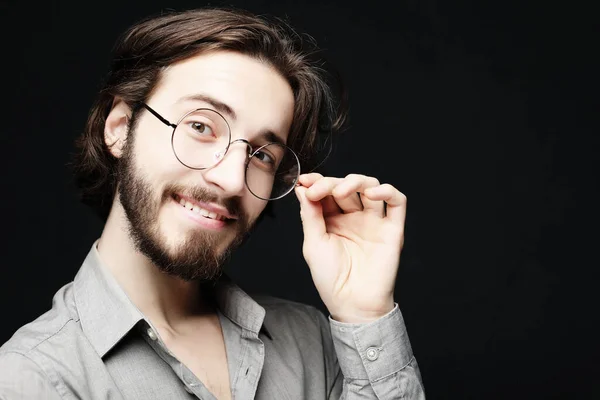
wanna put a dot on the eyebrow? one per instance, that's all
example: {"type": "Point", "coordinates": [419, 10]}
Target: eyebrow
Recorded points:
{"type": "Point", "coordinates": [270, 136]}
{"type": "Point", "coordinates": [218, 105]}
{"type": "Point", "coordinates": [267, 136]}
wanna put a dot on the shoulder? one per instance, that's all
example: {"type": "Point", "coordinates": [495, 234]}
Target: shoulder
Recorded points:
{"type": "Point", "coordinates": [15, 364]}
{"type": "Point", "coordinates": [53, 322]}
{"type": "Point", "coordinates": [23, 378]}
{"type": "Point", "coordinates": [42, 339]}
{"type": "Point", "coordinates": [26, 358]}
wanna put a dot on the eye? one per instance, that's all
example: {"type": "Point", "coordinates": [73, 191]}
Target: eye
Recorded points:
{"type": "Point", "coordinates": [201, 128]}
{"type": "Point", "coordinates": [265, 158]}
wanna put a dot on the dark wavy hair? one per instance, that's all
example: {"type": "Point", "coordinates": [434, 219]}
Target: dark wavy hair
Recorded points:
{"type": "Point", "coordinates": [148, 47]}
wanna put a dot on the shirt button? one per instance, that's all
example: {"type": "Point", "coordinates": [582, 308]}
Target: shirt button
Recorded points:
{"type": "Point", "coordinates": [151, 334]}
{"type": "Point", "coordinates": [372, 353]}
{"type": "Point", "coordinates": [188, 389]}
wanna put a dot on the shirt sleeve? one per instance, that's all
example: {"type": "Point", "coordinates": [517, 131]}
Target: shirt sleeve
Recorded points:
{"type": "Point", "coordinates": [376, 359]}
{"type": "Point", "coordinates": [22, 379]}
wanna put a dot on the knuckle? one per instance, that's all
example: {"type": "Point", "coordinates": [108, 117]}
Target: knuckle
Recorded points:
{"type": "Point", "coordinates": [373, 181]}
{"type": "Point", "coordinates": [328, 182]}
{"type": "Point", "coordinates": [337, 192]}
{"type": "Point", "coordinates": [354, 177]}
{"type": "Point", "coordinates": [313, 177]}
{"type": "Point", "coordinates": [402, 197]}
{"type": "Point", "coordinates": [336, 181]}
{"type": "Point", "coordinates": [320, 181]}
{"type": "Point", "coordinates": [389, 187]}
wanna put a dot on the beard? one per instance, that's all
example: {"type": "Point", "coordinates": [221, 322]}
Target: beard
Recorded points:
{"type": "Point", "coordinates": [197, 257]}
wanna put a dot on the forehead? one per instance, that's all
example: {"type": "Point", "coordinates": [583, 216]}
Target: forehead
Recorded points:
{"type": "Point", "coordinates": [258, 96]}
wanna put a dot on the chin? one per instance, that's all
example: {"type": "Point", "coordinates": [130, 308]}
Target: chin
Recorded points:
{"type": "Point", "coordinates": [177, 237]}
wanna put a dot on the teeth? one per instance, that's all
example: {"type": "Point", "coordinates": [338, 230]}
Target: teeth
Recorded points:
{"type": "Point", "coordinates": [201, 211]}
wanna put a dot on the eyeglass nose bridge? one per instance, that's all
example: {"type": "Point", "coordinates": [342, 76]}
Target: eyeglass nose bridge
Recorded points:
{"type": "Point", "coordinates": [219, 156]}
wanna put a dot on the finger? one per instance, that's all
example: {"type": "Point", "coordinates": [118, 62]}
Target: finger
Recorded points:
{"type": "Point", "coordinates": [353, 184]}
{"type": "Point", "coordinates": [395, 200]}
{"type": "Point", "coordinates": [324, 185]}
{"type": "Point", "coordinates": [330, 206]}
{"type": "Point", "coordinates": [311, 214]}
{"type": "Point", "coordinates": [349, 203]}
{"type": "Point", "coordinates": [307, 180]}
{"type": "Point", "coordinates": [321, 188]}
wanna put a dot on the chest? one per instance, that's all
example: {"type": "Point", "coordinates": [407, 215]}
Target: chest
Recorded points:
{"type": "Point", "coordinates": [208, 362]}
{"type": "Point", "coordinates": [290, 370]}
{"type": "Point", "coordinates": [204, 354]}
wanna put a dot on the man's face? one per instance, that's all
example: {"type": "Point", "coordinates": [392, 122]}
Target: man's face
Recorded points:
{"type": "Point", "coordinates": [156, 190]}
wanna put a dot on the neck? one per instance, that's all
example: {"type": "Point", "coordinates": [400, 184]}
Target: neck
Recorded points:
{"type": "Point", "coordinates": [165, 300]}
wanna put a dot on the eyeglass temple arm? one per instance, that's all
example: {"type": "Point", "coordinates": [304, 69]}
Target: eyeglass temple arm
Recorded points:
{"type": "Point", "coordinates": [157, 115]}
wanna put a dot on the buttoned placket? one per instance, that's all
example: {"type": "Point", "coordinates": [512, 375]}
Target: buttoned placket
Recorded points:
{"type": "Point", "coordinates": [190, 382]}
{"type": "Point", "coordinates": [250, 369]}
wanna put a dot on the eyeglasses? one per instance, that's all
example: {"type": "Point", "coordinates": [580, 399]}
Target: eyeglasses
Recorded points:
{"type": "Point", "coordinates": [202, 137]}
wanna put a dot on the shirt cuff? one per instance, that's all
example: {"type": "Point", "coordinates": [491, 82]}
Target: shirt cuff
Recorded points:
{"type": "Point", "coordinates": [372, 350]}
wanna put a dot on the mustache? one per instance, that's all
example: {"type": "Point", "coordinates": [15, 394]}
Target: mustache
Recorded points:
{"type": "Point", "coordinates": [233, 205]}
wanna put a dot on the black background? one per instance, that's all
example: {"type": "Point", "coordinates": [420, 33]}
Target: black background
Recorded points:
{"type": "Point", "coordinates": [483, 113]}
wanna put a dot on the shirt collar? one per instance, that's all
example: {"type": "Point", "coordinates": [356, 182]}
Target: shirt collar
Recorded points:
{"type": "Point", "coordinates": [107, 314]}
{"type": "Point", "coordinates": [105, 311]}
{"type": "Point", "coordinates": [239, 307]}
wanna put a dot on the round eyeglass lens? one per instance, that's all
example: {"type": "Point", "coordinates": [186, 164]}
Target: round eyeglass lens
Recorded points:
{"type": "Point", "coordinates": [272, 171]}
{"type": "Point", "coordinates": [201, 139]}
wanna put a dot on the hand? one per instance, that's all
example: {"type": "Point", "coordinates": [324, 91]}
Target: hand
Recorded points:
{"type": "Point", "coordinates": [352, 242]}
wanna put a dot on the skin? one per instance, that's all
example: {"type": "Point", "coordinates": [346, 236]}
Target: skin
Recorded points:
{"type": "Point", "coordinates": [351, 246]}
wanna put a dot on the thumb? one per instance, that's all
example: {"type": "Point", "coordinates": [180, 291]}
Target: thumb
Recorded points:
{"type": "Point", "coordinates": [311, 214]}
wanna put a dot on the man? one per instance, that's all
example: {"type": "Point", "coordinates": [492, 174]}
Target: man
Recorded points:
{"type": "Point", "coordinates": [206, 116]}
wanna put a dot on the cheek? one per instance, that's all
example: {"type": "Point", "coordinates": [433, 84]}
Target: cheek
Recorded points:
{"type": "Point", "coordinates": [154, 155]}
{"type": "Point", "coordinates": [254, 206]}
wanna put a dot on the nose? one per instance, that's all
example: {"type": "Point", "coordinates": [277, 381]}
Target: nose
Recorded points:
{"type": "Point", "coordinates": [230, 172]}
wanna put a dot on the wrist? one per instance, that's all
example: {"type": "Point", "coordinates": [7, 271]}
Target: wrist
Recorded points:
{"type": "Point", "coordinates": [362, 316]}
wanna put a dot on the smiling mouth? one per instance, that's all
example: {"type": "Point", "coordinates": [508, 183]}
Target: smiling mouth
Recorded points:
{"type": "Point", "coordinates": [199, 210]}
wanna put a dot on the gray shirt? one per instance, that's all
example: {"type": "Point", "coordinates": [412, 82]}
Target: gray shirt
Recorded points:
{"type": "Point", "coordinates": [95, 344]}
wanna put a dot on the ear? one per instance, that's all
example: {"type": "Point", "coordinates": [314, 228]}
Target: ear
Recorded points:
{"type": "Point", "coordinates": [116, 127]}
